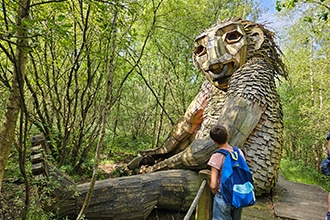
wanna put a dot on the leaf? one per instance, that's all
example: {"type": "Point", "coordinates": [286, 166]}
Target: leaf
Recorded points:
{"type": "Point", "coordinates": [308, 19]}
{"type": "Point", "coordinates": [61, 17]}
{"type": "Point", "coordinates": [279, 5]}
{"type": "Point", "coordinates": [324, 16]}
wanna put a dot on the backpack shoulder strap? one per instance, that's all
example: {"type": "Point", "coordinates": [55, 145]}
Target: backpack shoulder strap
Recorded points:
{"type": "Point", "coordinates": [222, 151]}
{"type": "Point", "coordinates": [241, 160]}
{"type": "Point", "coordinates": [236, 149]}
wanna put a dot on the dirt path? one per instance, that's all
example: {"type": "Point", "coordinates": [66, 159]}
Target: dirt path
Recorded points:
{"type": "Point", "coordinates": [300, 201]}
{"type": "Point", "coordinates": [290, 201]}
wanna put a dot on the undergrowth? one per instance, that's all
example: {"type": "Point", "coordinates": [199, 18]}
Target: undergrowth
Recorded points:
{"type": "Point", "coordinates": [298, 171]}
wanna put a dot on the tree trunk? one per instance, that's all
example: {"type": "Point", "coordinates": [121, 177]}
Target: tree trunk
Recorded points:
{"type": "Point", "coordinates": [7, 133]}
{"type": "Point", "coordinates": [125, 198]}
{"type": "Point", "coordinates": [132, 197]}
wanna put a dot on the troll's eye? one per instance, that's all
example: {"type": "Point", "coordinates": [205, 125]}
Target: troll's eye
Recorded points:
{"type": "Point", "coordinates": [200, 50]}
{"type": "Point", "coordinates": [233, 37]}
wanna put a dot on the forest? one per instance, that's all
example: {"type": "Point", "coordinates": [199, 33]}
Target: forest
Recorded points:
{"type": "Point", "coordinates": [102, 80]}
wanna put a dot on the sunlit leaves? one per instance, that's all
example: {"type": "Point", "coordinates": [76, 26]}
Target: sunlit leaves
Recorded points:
{"type": "Point", "coordinates": [280, 4]}
{"type": "Point", "coordinates": [305, 98]}
{"type": "Point", "coordinates": [321, 6]}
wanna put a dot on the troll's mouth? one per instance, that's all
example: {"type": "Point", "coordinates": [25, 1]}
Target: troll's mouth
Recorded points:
{"type": "Point", "coordinates": [217, 74]}
{"type": "Point", "coordinates": [223, 72]}
{"type": "Point", "coordinates": [220, 76]}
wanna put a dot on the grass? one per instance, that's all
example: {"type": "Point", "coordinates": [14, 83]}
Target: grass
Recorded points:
{"type": "Point", "coordinates": [298, 171]}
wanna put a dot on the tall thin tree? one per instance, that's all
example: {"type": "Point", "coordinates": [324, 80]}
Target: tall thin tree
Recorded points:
{"type": "Point", "coordinates": [18, 58]}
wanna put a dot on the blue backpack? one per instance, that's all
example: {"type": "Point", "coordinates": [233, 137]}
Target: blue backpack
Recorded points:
{"type": "Point", "coordinates": [325, 166]}
{"type": "Point", "coordinates": [236, 183]}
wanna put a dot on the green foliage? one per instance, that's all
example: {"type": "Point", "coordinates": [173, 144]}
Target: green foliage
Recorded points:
{"type": "Point", "coordinates": [320, 13]}
{"type": "Point", "coordinates": [305, 97]}
{"type": "Point", "coordinates": [11, 200]}
{"type": "Point", "coordinates": [130, 144]}
{"type": "Point", "coordinates": [12, 169]}
{"type": "Point", "coordinates": [36, 212]}
{"type": "Point", "coordinates": [285, 4]}
{"type": "Point", "coordinates": [300, 171]}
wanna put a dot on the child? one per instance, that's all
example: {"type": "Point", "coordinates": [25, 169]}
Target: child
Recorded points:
{"type": "Point", "coordinates": [221, 211]}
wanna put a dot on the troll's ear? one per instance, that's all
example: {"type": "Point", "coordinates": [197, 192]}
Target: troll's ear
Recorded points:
{"type": "Point", "coordinates": [257, 36]}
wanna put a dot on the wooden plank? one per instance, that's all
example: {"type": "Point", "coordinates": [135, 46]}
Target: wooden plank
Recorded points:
{"type": "Point", "coordinates": [299, 201]}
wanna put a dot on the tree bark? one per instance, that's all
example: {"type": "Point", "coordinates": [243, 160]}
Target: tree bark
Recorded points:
{"type": "Point", "coordinates": [134, 197]}
{"type": "Point", "coordinates": [7, 133]}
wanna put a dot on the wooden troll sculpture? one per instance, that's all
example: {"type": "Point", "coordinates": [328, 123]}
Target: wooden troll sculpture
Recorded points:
{"type": "Point", "coordinates": [241, 63]}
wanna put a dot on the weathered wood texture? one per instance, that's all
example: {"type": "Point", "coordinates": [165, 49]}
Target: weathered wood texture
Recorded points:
{"type": "Point", "coordinates": [204, 207]}
{"type": "Point", "coordinates": [134, 197]}
{"type": "Point", "coordinates": [240, 93]}
{"type": "Point", "coordinates": [294, 200]}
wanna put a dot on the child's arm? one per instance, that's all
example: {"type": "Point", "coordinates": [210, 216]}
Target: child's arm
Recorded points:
{"type": "Point", "coordinates": [214, 184]}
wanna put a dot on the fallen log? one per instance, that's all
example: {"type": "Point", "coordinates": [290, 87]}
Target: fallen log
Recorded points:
{"type": "Point", "coordinates": [131, 197]}
{"type": "Point", "coordinates": [134, 197]}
